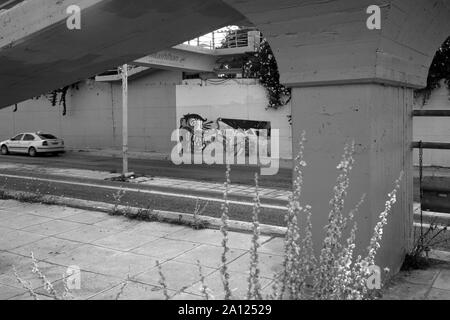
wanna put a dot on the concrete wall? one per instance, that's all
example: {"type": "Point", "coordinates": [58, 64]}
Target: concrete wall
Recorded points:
{"type": "Point", "coordinates": [94, 114]}
{"type": "Point", "coordinates": [156, 103]}
{"type": "Point", "coordinates": [235, 99]}
{"type": "Point", "coordinates": [433, 129]}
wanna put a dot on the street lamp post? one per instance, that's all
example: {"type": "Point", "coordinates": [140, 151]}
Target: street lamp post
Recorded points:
{"type": "Point", "coordinates": [124, 72]}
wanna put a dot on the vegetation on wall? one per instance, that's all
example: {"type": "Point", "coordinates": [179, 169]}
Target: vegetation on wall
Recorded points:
{"type": "Point", "coordinates": [263, 66]}
{"type": "Point", "coordinates": [61, 93]}
{"type": "Point", "coordinates": [439, 70]}
{"type": "Point", "coordinates": [58, 97]}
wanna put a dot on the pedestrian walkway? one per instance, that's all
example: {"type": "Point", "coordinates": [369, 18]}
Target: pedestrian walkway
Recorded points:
{"type": "Point", "coordinates": [234, 189]}
{"type": "Point", "coordinates": [430, 284]}
{"type": "Point", "coordinates": [109, 250]}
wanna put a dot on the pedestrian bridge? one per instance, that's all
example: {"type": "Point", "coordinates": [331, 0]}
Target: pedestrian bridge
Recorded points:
{"type": "Point", "coordinates": [348, 81]}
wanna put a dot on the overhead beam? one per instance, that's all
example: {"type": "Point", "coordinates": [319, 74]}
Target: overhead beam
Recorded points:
{"type": "Point", "coordinates": [39, 53]}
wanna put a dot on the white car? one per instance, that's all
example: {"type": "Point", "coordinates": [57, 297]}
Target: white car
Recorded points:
{"type": "Point", "coordinates": [32, 143]}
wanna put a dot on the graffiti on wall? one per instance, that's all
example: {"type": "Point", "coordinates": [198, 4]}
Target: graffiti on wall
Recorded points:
{"type": "Point", "coordinates": [203, 132]}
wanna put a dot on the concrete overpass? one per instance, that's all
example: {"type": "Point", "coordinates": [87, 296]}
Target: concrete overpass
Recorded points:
{"type": "Point", "coordinates": [187, 58]}
{"type": "Point", "coordinates": [348, 81]}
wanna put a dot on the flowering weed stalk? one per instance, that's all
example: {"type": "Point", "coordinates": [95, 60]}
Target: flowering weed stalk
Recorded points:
{"type": "Point", "coordinates": [224, 230]}
{"type": "Point", "coordinates": [254, 285]}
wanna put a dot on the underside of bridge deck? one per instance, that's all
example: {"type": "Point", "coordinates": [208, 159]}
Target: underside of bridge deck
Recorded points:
{"type": "Point", "coordinates": [348, 82]}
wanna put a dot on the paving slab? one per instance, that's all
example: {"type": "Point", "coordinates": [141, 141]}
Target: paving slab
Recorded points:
{"type": "Point", "coordinates": [46, 248]}
{"type": "Point", "coordinates": [10, 204]}
{"type": "Point", "coordinates": [87, 217]}
{"type": "Point", "coordinates": [91, 284]}
{"type": "Point", "coordinates": [132, 291]}
{"type": "Point", "coordinates": [214, 237]}
{"type": "Point", "coordinates": [55, 212]}
{"type": "Point", "coordinates": [209, 256]}
{"type": "Point", "coordinates": [4, 215]}
{"type": "Point", "coordinates": [87, 233]}
{"type": "Point", "coordinates": [125, 240]}
{"type": "Point", "coordinates": [186, 296]}
{"type": "Point", "coordinates": [214, 284]}
{"type": "Point", "coordinates": [438, 294]}
{"type": "Point", "coordinates": [22, 221]}
{"type": "Point", "coordinates": [17, 238]}
{"type": "Point", "coordinates": [158, 229]}
{"type": "Point", "coordinates": [5, 230]}
{"type": "Point", "coordinates": [27, 296]}
{"type": "Point", "coordinates": [87, 257]}
{"type": "Point", "coordinates": [7, 292]}
{"type": "Point", "coordinates": [269, 264]}
{"type": "Point", "coordinates": [423, 277]}
{"type": "Point", "coordinates": [53, 227]}
{"type": "Point", "coordinates": [179, 276]}
{"type": "Point", "coordinates": [443, 280]}
{"type": "Point", "coordinates": [123, 265]}
{"type": "Point", "coordinates": [165, 248]}
{"type": "Point", "coordinates": [402, 290]}
{"type": "Point", "coordinates": [24, 269]}
{"type": "Point", "coordinates": [275, 246]}
{"type": "Point", "coordinates": [117, 223]}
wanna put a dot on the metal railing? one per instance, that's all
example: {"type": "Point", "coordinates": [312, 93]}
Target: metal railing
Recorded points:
{"type": "Point", "coordinates": [223, 39]}
{"type": "Point", "coordinates": [427, 145]}
{"type": "Point", "coordinates": [431, 145]}
{"type": "Point", "coordinates": [431, 113]}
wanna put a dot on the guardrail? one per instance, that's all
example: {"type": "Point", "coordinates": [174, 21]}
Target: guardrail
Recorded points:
{"type": "Point", "coordinates": [225, 39]}
{"type": "Point", "coordinates": [427, 145]}
{"type": "Point", "coordinates": [431, 113]}
{"type": "Point", "coordinates": [431, 145]}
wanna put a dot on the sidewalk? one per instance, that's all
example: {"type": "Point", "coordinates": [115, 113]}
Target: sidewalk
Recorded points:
{"type": "Point", "coordinates": [110, 249]}
{"type": "Point", "coordinates": [430, 284]}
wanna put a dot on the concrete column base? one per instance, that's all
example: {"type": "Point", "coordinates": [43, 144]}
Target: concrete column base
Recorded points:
{"type": "Point", "coordinates": [379, 119]}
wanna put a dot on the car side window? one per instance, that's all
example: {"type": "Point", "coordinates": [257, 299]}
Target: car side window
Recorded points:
{"type": "Point", "coordinates": [28, 137]}
{"type": "Point", "coordinates": [17, 138]}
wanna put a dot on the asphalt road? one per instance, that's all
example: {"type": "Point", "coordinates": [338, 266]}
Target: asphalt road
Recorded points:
{"type": "Point", "coordinates": [154, 197]}
{"type": "Point", "coordinates": [143, 197]}
{"type": "Point", "coordinates": [162, 168]}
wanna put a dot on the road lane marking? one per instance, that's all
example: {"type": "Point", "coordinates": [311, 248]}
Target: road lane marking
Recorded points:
{"type": "Point", "coordinates": [161, 193]}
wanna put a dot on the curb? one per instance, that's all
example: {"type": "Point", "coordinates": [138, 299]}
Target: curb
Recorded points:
{"type": "Point", "coordinates": [158, 215]}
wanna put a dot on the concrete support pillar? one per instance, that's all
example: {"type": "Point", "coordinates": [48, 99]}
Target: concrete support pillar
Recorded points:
{"type": "Point", "coordinates": [378, 118]}
{"type": "Point", "coordinates": [353, 82]}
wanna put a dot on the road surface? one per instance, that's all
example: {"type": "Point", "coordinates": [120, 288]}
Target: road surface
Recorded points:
{"type": "Point", "coordinates": [160, 168]}
{"type": "Point", "coordinates": [154, 197]}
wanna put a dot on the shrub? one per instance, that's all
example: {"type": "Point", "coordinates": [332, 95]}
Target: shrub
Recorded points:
{"type": "Point", "coordinates": [334, 274]}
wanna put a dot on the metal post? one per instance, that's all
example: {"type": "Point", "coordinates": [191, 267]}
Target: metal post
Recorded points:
{"type": "Point", "coordinates": [421, 191]}
{"type": "Point", "coordinates": [125, 120]}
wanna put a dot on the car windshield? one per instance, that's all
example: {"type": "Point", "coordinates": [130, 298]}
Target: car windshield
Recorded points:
{"type": "Point", "coordinates": [45, 136]}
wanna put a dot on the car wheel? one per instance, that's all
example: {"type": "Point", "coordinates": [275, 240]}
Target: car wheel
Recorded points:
{"type": "Point", "coordinates": [32, 152]}
{"type": "Point", "coordinates": [4, 150]}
